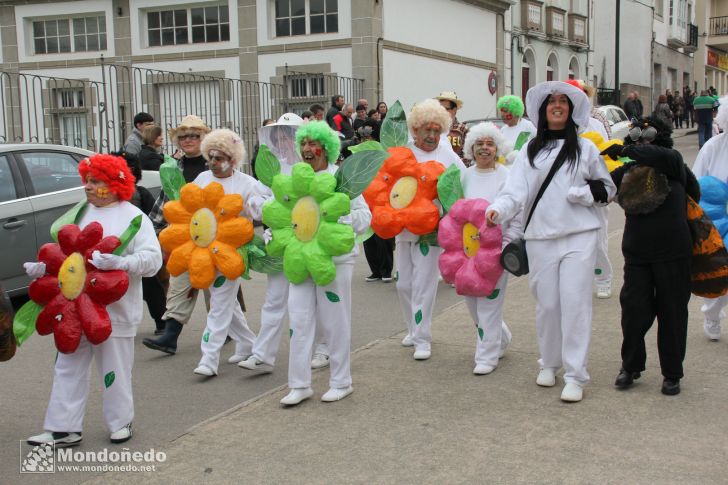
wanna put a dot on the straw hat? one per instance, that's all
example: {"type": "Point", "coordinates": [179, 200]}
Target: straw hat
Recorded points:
{"type": "Point", "coordinates": [450, 96]}
{"type": "Point", "coordinates": [189, 123]}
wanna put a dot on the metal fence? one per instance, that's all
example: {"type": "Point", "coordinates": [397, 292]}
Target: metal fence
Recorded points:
{"type": "Point", "coordinates": [97, 113]}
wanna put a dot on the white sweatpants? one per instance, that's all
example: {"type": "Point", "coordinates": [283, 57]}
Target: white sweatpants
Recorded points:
{"type": "Point", "coordinates": [225, 318]}
{"type": "Point", "coordinates": [713, 308]}
{"type": "Point", "coordinates": [417, 288]}
{"type": "Point", "coordinates": [272, 316]}
{"type": "Point", "coordinates": [114, 360]}
{"type": "Point", "coordinates": [560, 279]}
{"type": "Point", "coordinates": [488, 317]}
{"type": "Point", "coordinates": [330, 305]}
{"type": "Point", "coordinates": [603, 267]}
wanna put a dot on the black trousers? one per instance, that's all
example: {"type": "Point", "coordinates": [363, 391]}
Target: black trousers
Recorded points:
{"type": "Point", "coordinates": [156, 299]}
{"type": "Point", "coordinates": [380, 255]}
{"type": "Point", "coordinates": [652, 290]}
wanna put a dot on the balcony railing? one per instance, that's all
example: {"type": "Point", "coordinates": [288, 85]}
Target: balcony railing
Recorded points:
{"type": "Point", "coordinates": [718, 25]}
{"type": "Point", "coordinates": [692, 45]}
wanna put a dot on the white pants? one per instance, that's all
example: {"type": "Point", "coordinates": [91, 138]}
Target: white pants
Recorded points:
{"type": "Point", "coordinates": [272, 315]}
{"type": "Point", "coordinates": [417, 289]}
{"type": "Point", "coordinates": [488, 317]}
{"type": "Point", "coordinates": [309, 304]}
{"type": "Point", "coordinates": [603, 267]}
{"type": "Point", "coordinates": [114, 359]}
{"type": "Point", "coordinates": [560, 279]}
{"type": "Point", "coordinates": [225, 318]}
{"type": "Point", "coordinates": [713, 308]}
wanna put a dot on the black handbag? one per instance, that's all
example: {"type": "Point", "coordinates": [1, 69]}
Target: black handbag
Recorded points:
{"type": "Point", "coordinates": [514, 258]}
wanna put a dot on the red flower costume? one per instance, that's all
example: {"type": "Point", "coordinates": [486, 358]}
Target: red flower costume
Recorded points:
{"type": "Point", "coordinates": [74, 293]}
{"type": "Point", "coordinates": [401, 195]}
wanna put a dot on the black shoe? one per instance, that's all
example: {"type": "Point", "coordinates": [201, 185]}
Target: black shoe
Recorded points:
{"type": "Point", "coordinates": [626, 379]}
{"type": "Point", "coordinates": [167, 343]}
{"type": "Point", "coordinates": [372, 277]}
{"type": "Point", "coordinates": [671, 387]}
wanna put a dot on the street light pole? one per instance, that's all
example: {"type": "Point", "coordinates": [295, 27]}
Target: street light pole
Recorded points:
{"type": "Point", "coordinates": [616, 93]}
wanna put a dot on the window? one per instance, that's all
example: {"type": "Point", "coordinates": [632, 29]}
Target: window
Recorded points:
{"type": "Point", "coordinates": [51, 171]}
{"type": "Point", "coordinates": [531, 15]}
{"type": "Point", "coordinates": [301, 17]}
{"type": "Point", "coordinates": [554, 22]}
{"type": "Point", "coordinates": [7, 186]}
{"type": "Point", "coordinates": [301, 86]}
{"type": "Point", "coordinates": [82, 34]}
{"type": "Point", "coordinates": [197, 25]}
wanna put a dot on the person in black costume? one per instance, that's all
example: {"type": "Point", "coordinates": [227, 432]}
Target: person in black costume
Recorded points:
{"type": "Point", "coordinates": [657, 249]}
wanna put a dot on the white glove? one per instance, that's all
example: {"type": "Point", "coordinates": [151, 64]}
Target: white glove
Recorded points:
{"type": "Point", "coordinates": [106, 261]}
{"type": "Point", "coordinates": [267, 236]}
{"type": "Point", "coordinates": [35, 270]}
{"type": "Point", "coordinates": [580, 195]}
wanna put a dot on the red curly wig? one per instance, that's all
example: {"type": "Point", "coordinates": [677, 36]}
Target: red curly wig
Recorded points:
{"type": "Point", "coordinates": [112, 170]}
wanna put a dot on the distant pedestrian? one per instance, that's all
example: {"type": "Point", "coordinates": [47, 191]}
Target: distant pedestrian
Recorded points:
{"type": "Point", "coordinates": [382, 109]}
{"type": "Point", "coordinates": [133, 143]}
{"type": "Point", "coordinates": [456, 135]}
{"type": "Point", "coordinates": [337, 103]}
{"type": "Point", "coordinates": [150, 156]}
{"type": "Point", "coordinates": [689, 113]}
{"type": "Point", "coordinates": [662, 110]}
{"type": "Point", "coordinates": [679, 111]}
{"type": "Point", "coordinates": [704, 106]}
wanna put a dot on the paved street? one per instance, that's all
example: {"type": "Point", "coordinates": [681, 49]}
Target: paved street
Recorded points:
{"type": "Point", "coordinates": [407, 421]}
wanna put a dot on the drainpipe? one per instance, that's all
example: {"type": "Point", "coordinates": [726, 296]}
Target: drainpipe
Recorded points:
{"type": "Point", "coordinates": [379, 68]}
{"type": "Point", "coordinates": [617, 89]}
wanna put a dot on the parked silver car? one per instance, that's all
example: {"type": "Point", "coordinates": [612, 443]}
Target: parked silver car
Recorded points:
{"type": "Point", "coordinates": [618, 121]}
{"type": "Point", "coordinates": [38, 183]}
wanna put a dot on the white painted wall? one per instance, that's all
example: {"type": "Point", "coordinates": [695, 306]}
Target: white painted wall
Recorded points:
{"type": "Point", "coordinates": [441, 25]}
{"type": "Point", "coordinates": [25, 14]}
{"type": "Point", "coordinates": [339, 59]}
{"type": "Point", "coordinates": [411, 79]}
{"type": "Point", "coordinates": [635, 43]}
{"type": "Point", "coordinates": [265, 13]}
{"type": "Point", "coordinates": [229, 65]}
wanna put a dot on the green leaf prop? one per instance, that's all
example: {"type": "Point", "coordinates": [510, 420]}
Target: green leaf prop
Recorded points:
{"type": "Point", "coordinates": [481, 333]}
{"type": "Point", "coordinates": [424, 249]}
{"type": "Point", "coordinates": [522, 139]}
{"type": "Point", "coordinates": [171, 178]}
{"type": "Point", "coordinates": [429, 239]}
{"type": "Point", "coordinates": [267, 165]}
{"type": "Point", "coordinates": [449, 188]}
{"type": "Point", "coordinates": [333, 297]}
{"type": "Point", "coordinates": [394, 127]}
{"type": "Point", "coordinates": [358, 170]}
{"type": "Point", "coordinates": [361, 147]}
{"type": "Point", "coordinates": [71, 216]}
{"type": "Point", "coordinates": [259, 260]}
{"type": "Point", "coordinates": [129, 234]}
{"type": "Point", "coordinates": [24, 321]}
{"type": "Point", "coordinates": [418, 317]}
{"type": "Point", "coordinates": [109, 379]}
{"type": "Point", "coordinates": [244, 253]}
{"type": "Point", "coordinates": [493, 295]}
{"type": "Point", "coordinates": [360, 238]}
{"type": "Point", "coordinates": [219, 281]}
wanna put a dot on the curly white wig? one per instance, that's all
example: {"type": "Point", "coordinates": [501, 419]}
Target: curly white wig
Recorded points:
{"type": "Point", "coordinates": [485, 130]}
{"type": "Point", "coordinates": [722, 116]}
{"type": "Point", "coordinates": [428, 111]}
{"type": "Point", "coordinates": [225, 141]}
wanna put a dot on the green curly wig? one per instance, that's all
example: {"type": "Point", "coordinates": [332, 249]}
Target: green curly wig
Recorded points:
{"type": "Point", "coordinates": [512, 104]}
{"type": "Point", "coordinates": [321, 132]}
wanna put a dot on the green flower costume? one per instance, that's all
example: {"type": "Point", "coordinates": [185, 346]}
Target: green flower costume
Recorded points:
{"type": "Point", "coordinates": [303, 219]}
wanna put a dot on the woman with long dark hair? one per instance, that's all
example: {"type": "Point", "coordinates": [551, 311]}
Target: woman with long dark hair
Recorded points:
{"type": "Point", "coordinates": [562, 231]}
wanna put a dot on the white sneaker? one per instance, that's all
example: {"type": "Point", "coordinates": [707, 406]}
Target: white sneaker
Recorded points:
{"type": "Point", "coordinates": [546, 378]}
{"type": "Point", "coordinates": [422, 354]}
{"type": "Point", "coordinates": [483, 369]}
{"type": "Point", "coordinates": [407, 341]}
{"type": "Point", "coordinates": [60, 439]}
{"type": "Point", "coordinates": [122, 435]}
{"type": "Point", "coordinates": [572, 392]}
{"type": "Point", "coordinates": [506, 337]}
{"type": "Point", "coordinates": [319, 361]}
{"type": "Point", "coordinates": [203, 370]}
{"type": "Point", "coordinates": [604, 291]}
{"type": "Point", "coordinates": [337, 394]}
{"type": "Point", "coordinates": [235, 358]}
{"type": "Point", "coordinates": [295, 396]}
{"type": "Point", "coordinates": [712, 330]}
{"type": "Point", "coordinates": [252, 363]}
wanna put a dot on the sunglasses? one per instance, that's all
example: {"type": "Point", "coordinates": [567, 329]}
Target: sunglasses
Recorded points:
{"type": "Point", "coordinates": [648, 134]}
{"type": "Point", "coordinates": [192, 136]}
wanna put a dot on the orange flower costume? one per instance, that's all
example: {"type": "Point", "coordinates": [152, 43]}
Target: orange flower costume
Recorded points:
{"type": "Point", "coordinates": [401, 195]}
{"type": "Point", "coordinates": [204, 233]}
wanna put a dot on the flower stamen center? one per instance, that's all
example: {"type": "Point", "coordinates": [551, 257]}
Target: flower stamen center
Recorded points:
{"type": "Point", "coordinates": [305, 218]}
{"type": "Point", "coordinates": [403, 192]}
{"type": "Point", "coordinates": [203, 227]}
{"type": "Point", "coordinates": [72, 276]}
{"type": "Point", "coordinates": [471, 239]}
